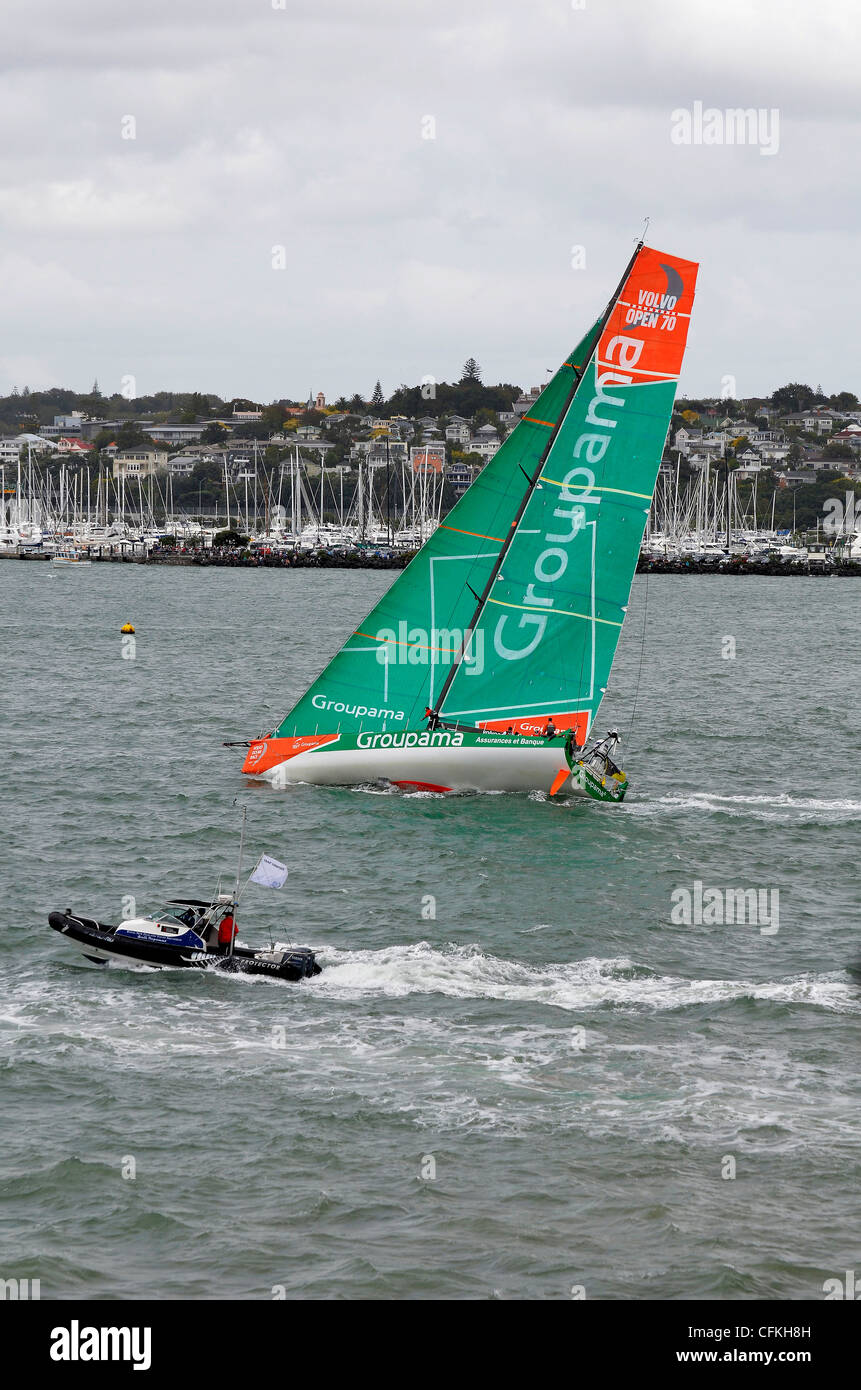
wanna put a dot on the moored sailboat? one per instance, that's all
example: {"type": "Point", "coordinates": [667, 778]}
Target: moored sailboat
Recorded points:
{"type": "Point", "coordinates": [484, 664]}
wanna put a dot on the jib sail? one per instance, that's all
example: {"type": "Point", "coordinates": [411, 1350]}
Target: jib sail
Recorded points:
{"type": "Point", "coordinates": [551, 619]}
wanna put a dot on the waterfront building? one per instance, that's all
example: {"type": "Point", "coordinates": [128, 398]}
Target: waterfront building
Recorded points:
{"type": "Point", "coordinates": [77, 447]}
{"type": "Point", "coordinates": [427, 458]}
{"type": "Point", "coordinates": [486, 447]}
{"type": "Point", "coordinates": [10, 448]}
{"type": "Point", "coordinates": [176, 434]}
{"type": "Point", "coordinates": [457, 432]}
{"type": "Point", "coordinates": [66, 425]}
{"type": "Point", "coordinates": [461, 475]}
{"type": "Point", "coordinates": [851, 435]}
{"type": "Point", "coordinates": [813, 421]}
{"type": "Point", "coordinates": [139, 463]}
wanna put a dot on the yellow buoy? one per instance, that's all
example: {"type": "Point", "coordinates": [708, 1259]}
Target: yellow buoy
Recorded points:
{"type": "Point", "coordinates": [126, 627]}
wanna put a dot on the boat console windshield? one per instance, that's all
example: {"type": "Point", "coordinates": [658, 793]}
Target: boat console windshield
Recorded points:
{"type": "Point", "coordinates": [169, 917]}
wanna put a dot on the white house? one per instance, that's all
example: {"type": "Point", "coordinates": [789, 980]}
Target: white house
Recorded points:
{"type": "Point", "coordinates": [687, 439]}
{"type": "Point", "coordinates": [485, 447]}
{"type": "Point", "coordinates": [457, 432]}
{"type": "Point", "coordinates": [10, 448]}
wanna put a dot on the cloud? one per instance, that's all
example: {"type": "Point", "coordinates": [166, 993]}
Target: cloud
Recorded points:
{"type": "Point", "coordinates": [306, 127]}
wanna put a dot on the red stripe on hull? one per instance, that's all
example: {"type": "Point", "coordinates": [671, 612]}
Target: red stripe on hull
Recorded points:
{"type": "Point", "coordinates": [422, 786]}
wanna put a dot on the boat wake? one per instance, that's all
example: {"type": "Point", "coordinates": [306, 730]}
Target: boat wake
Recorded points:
{"type": "Point", "coordinates": [780, 806]}
{"type": "Point", "coordinates": [464, 972]}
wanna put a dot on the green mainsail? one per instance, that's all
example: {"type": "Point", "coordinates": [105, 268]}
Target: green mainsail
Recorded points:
{"type": "Point", "coordinates": [393, 668]}
{"type": "Point", "coordinates": [511, 612]}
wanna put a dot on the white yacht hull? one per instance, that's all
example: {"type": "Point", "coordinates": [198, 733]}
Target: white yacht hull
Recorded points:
{"type": "Point", "coordinates": [524, 765]}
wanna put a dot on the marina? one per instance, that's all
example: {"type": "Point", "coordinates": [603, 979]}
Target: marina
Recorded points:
{"type": "Point", "coordinates": [691, 527]}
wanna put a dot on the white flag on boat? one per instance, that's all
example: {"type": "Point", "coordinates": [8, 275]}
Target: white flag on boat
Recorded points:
{"type": "Point", "coordinates": [270, 872]}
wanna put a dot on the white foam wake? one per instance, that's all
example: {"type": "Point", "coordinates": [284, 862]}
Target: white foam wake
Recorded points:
{"type": "Point", "coordinates": [466, 973]}
{"type": "Point", "coordinates": [780, 805]}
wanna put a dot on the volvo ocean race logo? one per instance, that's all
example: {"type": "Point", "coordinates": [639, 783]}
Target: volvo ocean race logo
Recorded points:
{"type": "Point", "coordinates": [653, 311]}
{"type": "Point", "coordinates": [575, 495]}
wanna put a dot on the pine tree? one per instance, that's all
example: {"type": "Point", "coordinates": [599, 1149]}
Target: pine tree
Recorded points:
{"type": "Point", "coordinates": [471, 370]}
{"type": "Point", "coordinates": [377, 398]}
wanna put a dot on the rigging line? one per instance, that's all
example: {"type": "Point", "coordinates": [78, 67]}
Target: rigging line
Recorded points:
{"type": "Point", "coordinates": [642, 654]}
{"type": "Point", "coordinates": [551, 440]}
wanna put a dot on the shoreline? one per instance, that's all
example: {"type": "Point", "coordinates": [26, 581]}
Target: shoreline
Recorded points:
{"type": "Point", "coordinates": [315, 560]}
{"type": "Point", "coordinates": [848, 569]}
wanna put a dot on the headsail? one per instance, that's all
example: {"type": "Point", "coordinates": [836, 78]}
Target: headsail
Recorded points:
{"type": "Point", "coordinates": [511, 612]}
{"type": "Point", "coordinates": [552, 618]}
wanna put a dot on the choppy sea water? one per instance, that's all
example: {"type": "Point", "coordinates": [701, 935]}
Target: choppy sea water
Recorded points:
{"type": "Point", "coordinates": [538, 1089]}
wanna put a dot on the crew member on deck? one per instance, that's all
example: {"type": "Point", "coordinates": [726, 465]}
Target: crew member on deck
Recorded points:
{"type": "Point", "coordinates": [226, 933]}
{"type": "Point", "coordinates": [572, 744]}
{"type": "Point", "coordinates": [550, 728]}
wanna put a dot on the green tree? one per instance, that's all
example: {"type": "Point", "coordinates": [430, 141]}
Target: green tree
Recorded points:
{"type": "Point", "coordinates": [103, 439]}
{"type": "Point", "coordinates": [131, 436]}
{"type": "Point", "coordinates": [273, 417]}
{"type": "Point", "coordinates": [471, 371]}
{"type": "Point", "coordinates": [793, 397]}
{"type": "Point", "coordinates": [485, 416]}
{"type": "Point", "coordinates": [377, 399]}
{"type": "Point", "coordinates": [251, 429]}
{"type": "Point", "coordinates": [213, 434]}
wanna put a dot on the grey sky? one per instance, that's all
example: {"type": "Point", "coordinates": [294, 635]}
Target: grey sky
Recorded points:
{"type": "Point", "coordinates": [259, 126]}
